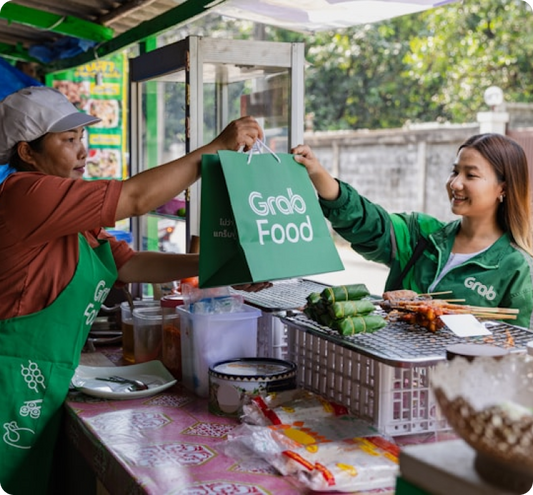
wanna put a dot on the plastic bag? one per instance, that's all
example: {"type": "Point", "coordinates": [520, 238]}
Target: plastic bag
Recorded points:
{"type": "Point", "coordinates": [215, 300]}
{"type": "Point", "coordinates": [329, 454]}
{"type": "Point", "coordinates": [316, 441]}
{"type": "Point", "coordinates": [289, 406]}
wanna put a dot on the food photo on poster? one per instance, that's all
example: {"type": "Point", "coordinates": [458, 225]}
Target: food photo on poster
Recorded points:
{"type": "Point", "coordinates": [97, 89]}
{"type": "Point", "coordinates": [104, 163]}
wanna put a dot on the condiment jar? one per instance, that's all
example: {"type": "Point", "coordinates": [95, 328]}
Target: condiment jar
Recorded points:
{"type": "Point", "coordinates": [147, 333]}
{"type": "Point", "coordinates": [171, 353]}
{"type": "Point", "coordinates": [127, 326]}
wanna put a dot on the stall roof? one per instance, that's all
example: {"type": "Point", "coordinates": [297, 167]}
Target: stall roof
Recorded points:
{"type": "Point", "coordinates": [81, 30]}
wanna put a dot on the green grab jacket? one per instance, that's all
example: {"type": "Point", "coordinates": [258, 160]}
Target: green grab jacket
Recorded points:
{"type": "Point", "coordinates": [501, 276]}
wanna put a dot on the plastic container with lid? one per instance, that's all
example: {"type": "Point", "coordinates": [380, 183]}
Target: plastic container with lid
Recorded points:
{"type": "Point", "coordinates": [171, 351]}
{"type": "Point", "coordinates": [126, 319]}
{"type": "Point", "coordinates": [147, 333]}
{"type": "Point", "coordinates": [207, 339]}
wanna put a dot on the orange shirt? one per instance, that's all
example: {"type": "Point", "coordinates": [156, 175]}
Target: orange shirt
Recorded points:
{"type": "Point", "coordinates": [40, 218]}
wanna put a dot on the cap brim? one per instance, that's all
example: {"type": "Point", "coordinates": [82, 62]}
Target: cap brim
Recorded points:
{"type": "Point", "coordinates": [72, 121]}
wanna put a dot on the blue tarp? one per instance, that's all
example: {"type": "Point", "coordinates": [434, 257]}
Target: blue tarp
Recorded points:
{"type": "Point", "coordinates": [62, 48]}
{"type": "Point", "coordinates": [12, 79]}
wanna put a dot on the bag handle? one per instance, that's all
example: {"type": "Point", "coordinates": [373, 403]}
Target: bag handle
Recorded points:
{"type": "Point", "coordinates": [258, 148]}
{"type": "Point", "coordinates": [419, 248]}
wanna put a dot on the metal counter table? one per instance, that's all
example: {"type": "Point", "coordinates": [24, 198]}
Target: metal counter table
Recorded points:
{"type": "Point", "coordinates": [165, 444]}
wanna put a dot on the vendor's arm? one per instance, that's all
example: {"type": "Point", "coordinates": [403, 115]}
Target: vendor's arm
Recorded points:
{"type": "Point", "coordinates": [154, 187]}
{"type": "Point", "coordinates": [155, 267]}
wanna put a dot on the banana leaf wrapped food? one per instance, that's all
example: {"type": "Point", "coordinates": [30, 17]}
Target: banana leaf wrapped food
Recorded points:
{"type": "Point", "coordinates": [342, 309]}
{"type": "Point", "coordinates": [313, 298]}
{"type": "Point", "coordinates": [344, 293]}
{"type": "Point", "coordinates": [352, 325]}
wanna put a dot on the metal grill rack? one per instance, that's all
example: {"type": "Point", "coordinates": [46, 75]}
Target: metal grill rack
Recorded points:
{"type": "Point", "coordinates": [283, 295]}
{"type": "Point", "coordinates": [403, 345]}
{"type": "Point", "coordinates": [382, 377]}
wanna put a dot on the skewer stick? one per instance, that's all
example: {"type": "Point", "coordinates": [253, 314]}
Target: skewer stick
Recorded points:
{"type": "Point", "coordinates": [436, 293]}
{"type": "Point", "coordinates": [457, 307]}
{"type": "Point", "coordinates": [494, 310]}
{"type": "Point", "coordinates": [496, 316]}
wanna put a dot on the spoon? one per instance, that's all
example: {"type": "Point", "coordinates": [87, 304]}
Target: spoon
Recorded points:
{"type": "Point", "coordinates": [135, 385]}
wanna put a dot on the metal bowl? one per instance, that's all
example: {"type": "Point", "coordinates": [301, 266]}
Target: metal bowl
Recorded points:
{"type": "Point", "coordinates": [489, 404]}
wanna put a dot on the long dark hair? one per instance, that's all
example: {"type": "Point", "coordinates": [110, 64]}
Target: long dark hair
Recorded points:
{"type": "Point", "coordinates": [509, 162]}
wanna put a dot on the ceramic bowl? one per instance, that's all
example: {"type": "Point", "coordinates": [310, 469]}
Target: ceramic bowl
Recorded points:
{"type": "Point", "coordinates": [489, 404]}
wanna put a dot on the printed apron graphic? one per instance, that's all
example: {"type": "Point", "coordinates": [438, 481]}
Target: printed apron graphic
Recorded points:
{"type": "Point", "coordinates": [17, 436]}
{"type": "Point", "coordinates": [39, 354]}
{"type": "Point", "coordinates": [33, 376]}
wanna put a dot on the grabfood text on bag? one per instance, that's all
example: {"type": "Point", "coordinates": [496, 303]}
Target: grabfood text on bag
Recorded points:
{"type": "Point", "coordinates": [292, 204]}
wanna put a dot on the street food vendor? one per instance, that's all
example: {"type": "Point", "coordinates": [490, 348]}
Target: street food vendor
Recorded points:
{"type": "Point", "coordinates": [57, 263]}
{"type": "Point", "coordinates": [485, 257]}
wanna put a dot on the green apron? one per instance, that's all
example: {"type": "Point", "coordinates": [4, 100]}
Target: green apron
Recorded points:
{"type": "Point", "coordinates": [39, 354]}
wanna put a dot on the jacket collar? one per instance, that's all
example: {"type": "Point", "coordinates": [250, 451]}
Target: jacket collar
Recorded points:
{"type": "Point", "coordinates": [443, 241]}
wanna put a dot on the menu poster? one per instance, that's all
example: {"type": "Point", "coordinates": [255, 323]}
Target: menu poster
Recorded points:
{"type": "Point", "coordinates": [99, 88]}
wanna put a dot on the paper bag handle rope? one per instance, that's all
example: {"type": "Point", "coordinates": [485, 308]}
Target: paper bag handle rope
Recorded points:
{"type": "Point", "coordinates": [258, 148]}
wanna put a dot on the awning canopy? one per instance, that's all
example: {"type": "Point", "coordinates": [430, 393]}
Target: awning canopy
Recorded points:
{"type": "Point", "coordinates": [321, 15]}
{"type": "Point", "coordinates": [68, 33]}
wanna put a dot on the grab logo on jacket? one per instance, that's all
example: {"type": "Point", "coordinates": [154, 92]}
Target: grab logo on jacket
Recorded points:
{"type": "Point", "coordinates": [484, 291]}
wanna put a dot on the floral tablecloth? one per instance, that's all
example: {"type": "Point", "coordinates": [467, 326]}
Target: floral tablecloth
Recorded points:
{"type": "Point", "coordinates": [166, 444]}
{"type": "Point", "coordinates": [169, 444]}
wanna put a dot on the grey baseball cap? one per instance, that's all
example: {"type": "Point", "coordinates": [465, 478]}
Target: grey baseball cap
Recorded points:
{"type": "Point", "coordinates": [34, 111]}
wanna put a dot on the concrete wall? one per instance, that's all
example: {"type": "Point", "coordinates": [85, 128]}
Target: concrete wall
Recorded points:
{"type": "Point", "coordinates": [401, 169]}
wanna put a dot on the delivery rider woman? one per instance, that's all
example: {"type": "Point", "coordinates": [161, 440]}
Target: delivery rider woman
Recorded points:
{"type": "Point", "coordinates": [485, 257]}
{"type": "Point", "coordinates": [57, 264]}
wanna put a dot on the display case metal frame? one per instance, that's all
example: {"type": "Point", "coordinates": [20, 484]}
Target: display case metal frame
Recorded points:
{"type": "Point", "coordinates": [186, 59]}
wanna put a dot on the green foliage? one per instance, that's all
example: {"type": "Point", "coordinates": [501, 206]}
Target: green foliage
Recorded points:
{"type": "Point", "coordinates": [432, 66]}
{"type": "Point", "coordinates": [426, 67]}
{"type": "Point", "coordinates": [467, 48]}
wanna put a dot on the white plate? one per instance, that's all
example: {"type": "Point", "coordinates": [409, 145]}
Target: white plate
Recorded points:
{"type": "Point", "coordinates": [153, 373]}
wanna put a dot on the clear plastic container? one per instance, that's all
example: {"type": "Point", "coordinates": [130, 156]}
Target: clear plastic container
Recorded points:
{"type": "Point", "coordinates": [147, 333]}
{"type": "Point", "coordinates": [207, 339]}
{"type": "Point", "coordinates": [171, 353]}
{"type": "Point", "coordinates": [126, 319]}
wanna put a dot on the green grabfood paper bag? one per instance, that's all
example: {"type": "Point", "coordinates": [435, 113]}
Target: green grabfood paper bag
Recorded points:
{"type": "Point", "coordinates": [260, 221]}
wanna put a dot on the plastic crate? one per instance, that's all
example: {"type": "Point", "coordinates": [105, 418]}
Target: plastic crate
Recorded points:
{"type": "Point", "coordinates": [271, 336]}
{"type": "Point", "coordinates": [398, 401]}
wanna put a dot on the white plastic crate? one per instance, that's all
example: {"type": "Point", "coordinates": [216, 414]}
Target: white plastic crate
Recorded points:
{"type": "Point", "coordinates": [398, 401]}
{"type": "Point", "coordinates": [271, 336]}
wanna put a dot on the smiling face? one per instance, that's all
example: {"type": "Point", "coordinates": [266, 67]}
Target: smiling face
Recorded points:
{"type": "Point", "coordinates": [62, 154]}
{"type": "Point", "coordinates": [473, 186]}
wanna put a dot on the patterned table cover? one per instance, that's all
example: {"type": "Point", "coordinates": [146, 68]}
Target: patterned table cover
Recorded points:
{"type": "Point", "coordinates": [167, 444]}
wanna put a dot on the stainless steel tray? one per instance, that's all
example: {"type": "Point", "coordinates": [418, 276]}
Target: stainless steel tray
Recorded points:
{"type": "Point", "coordinates": [403, 345]}
{"type": "Point", "coordinates": [283, 295]}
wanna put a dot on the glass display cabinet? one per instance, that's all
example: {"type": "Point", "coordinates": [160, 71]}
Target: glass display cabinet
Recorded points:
{"type": "Point", "coordinates": [182, 95]}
